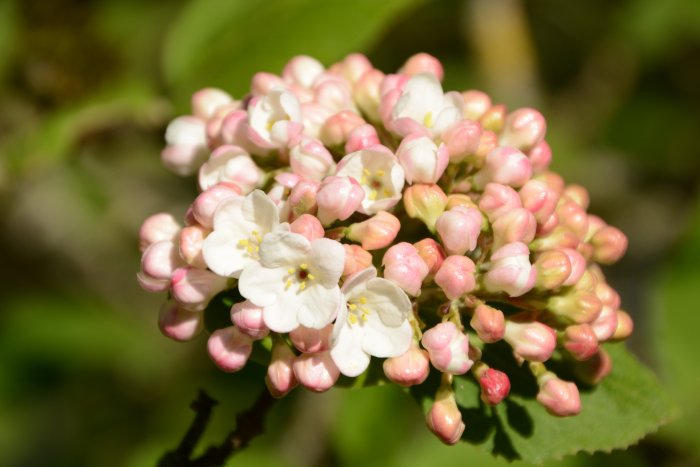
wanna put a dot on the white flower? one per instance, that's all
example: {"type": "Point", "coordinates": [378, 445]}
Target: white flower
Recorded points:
{"type": "Point", "coordinates": [274, 119]}
{"type": "Point", "coordinates": [374, 322]}
{"type": "Point", "coordinates": [239, 226]}
{"type": "Point", "coordinates": [296, 281]}
{"type": "Point", "coordinates": [379, 173]}
{"type": "Point", "coordinates": [230, 164]}
{"type": "Point", "coordinates": [423, 106]}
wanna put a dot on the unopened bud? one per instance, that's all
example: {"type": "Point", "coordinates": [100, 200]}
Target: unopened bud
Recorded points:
{"type": "Point", "coordinates": [424, 202]}
{"type": "Point", "coordinates": [377, 232]}
{"type": "Point", "coordinates": [605, 324]}
{"type": "Point", "coordinates": [337, 129]}
{"type": "Point", "coordinates": [540, 157]}
{"type": "Point", "coordinates": [595, 369]}
{"type": "Point", "coordinates": [280, 377]}
{"type": "Point", "coordinates": [356, 259]}
{"type": "Point", "coordinates": [302, 70]}
{"type": "Point", "coordinates": [404, 266]}
{"type": "Point", "coordinates": [553, 269]}
{"type": "Point", "coordinates": [206, 101]}
{"type": "Point", "coordinates": [580, 341]}
{"type": "Point", "coordinates": [489, 323]}
{"type": "Point", "coordinates": [361, 137]}
{"type": "Point", "coordinates": [456, 276]}
{"type": "Point", "coordinates": [432, 254]}
{"type": "Point", "coordinates": [302, 198]}
{"type": "Point", "coordinates": [230, 164]}
{"type": "Point", "coordinates": [422, 63]}
{"type": "Point", "coordinates": [487, 143]}
{"type": "Point", "coordinates": [206, 203]}
{"type": "Point", "coordinates": [310, 159]}
{"type": "Point", "coordinates": [540, 199]}
{"type": "Point", "coordinates": [366, 94]}
{"type": "Point", "coordinates": [462, 140]}
{"type": "Point", "coordinates": [625, 326]}
{"type": "Point", "coordinates": [156, 228]}
{"type": "Point", "coordinates": [560, 398]}
{"type": "Point", "coordinates": [448, 348]}
{"type": "Point", "coordinates": [476, 104]}
{"type": "Point", "coordinates": [459, 229]}
{"type": "Point", "coordinates": [409, 369]}
{"type": "Point", "coordinates": [248, 318]}
{"type": "Point", "coordinates": [229, 348]}
{"type": "Point", "coordinates": [533, 341]}
{"type": "Point", "coordinates": [498, 199]}
{"type": "Point", "coordinates": [510, 270]}
{"type": "Point", "coordinates": [517, 225]}
{"type": "Point", "coordinates": [444, 418]}
{"type": "Point", "coordinates": [494, 118]}
{"type": "Point", "coordinates": [504, 165]}
{"type": "Point", "coordinates": [191, 241]}
{"type": "Point", "coordinates": [523, 129]}
{"type": "Point", "coordinates": [308, 226]}
{"type": "Point", "coordinates": [577, 307]}
{"type": "Point", "coordinates": [495, 385]}
{"type": "Point", "coordinates": [338, 198]}
{"type": "Point", "coordinates": [179, 324]}
{"type": "Point", "coordinates": [316, 371]}
{"type": "Point", "coordinates": [609, 244]}
{"type": "Point", "coordinates": [423, 161]}
{"type": "Point", "coordinates": [193, 288]}
{"type": "Point", "coordinates": [309, 340]}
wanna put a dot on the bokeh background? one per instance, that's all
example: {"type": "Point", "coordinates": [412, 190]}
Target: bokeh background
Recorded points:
{"type": "Point", "coordinates": [86, 92]}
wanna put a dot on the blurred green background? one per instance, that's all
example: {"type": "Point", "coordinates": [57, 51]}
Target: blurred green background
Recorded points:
{"type": "Point", "coordinates": [86, 92]}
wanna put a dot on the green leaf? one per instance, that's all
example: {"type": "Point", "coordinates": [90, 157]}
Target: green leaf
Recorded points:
{"type": "Point", "coordinates": [620, 411]}
{"type": "Point", "coordinates": [222, 43]}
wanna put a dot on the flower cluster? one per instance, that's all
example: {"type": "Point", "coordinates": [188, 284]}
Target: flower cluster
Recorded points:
{"type": "Point", "coordinates": [356, 214]}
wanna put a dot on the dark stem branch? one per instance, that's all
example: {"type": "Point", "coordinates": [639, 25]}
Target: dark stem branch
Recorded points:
{"type": "Point", "coordinates": [249, 424]}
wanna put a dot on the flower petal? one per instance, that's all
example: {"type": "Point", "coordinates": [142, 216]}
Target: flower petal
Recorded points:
{"type": "Point", "coordinates": [347, 353]}
{"type": "Point", "coordinates": [260, 210]}
{"type": "Point", "coordinates": [328, 260]}
{"type": "Point", "coordinates": [261, 285]}
{"type": "Point", "coordinates": [319, 306]}
{"type": "Point", "coordinates": [386, 341]}
{"type": "Point", "coordinates": [224, 255]}
{"type": "Point", "coordinates": [388, 300]}
{"type": "Point", "coordinates": [281, 316]}
{"type": "Point", "coordinates": [281, 248]}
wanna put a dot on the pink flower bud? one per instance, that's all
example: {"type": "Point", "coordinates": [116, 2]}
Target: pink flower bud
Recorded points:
{"type": "Point", "coordinates": [229, 348]}
{"type": "Point", "coordinates": [607, 295]}
{"type": "Point", "coordinates": [523, 129]}
{"type": "Point", "coordinates": [206, 101]}
{"type": "Point", "coordinates": [309, 340]}
{"type": "Point", "coordinates": [422, 63]}
{"type": "Point", "coordinates": [487, 143]}
{"type": "Point", "coordinates": [156, 228]}
{"type": "Point", "coordinates": [595, 224]}
{"type": "Point", "coordinates": [504, 165]}
{"type": "Point", "coordinates": [553, 269]}
{"type": "Point", "coordinates": [532, 341]}
{"type": "Point", "coordinates": [230, 164]}
{"type": "Point", "coordinates": [186, 148]}
{"type": "Point", "coordinates": [302, 70]}
{"type": "Point", "coordinates": [191, 241]}
{"type": "Point", "coordinates": [361, 137]}
{"type": "Point", "coordinates": [559, 237]}
{"type": "Point", "coordinates": [316, 371]}
{"type": "Point", "coordinates": [206, 203]}
{"type": "Point", "coordinates": [337, 129]}
{"type": "Point", "coordinates": [353, 67]}
{"type": "Point", "coordinates": [476, 104]}
{"type": "Point", "coordinates": [553, 179]}
{"type": "Point", "coordinates": [376, 232]}
{"type": "Point", "coordinates": [310, 159]}
{"type": "Point", "coordinates": [577, 307]}
{"type": "Point", "coordinates": [408, 369]}
{"type": "Point", "coordinates": [574, 217]}
{"type": "Point", "coordinates": [511, 271]}
{"type": "Point", "coordinates": [334, 94]}
{"type": "Point", "coordinates": [445, 420]}
{"type": "Point", "coordinates": [431, 253]}
{"type": "Point", "coordinates": [595, 369]}
{"type": "Point", "coordinates": [193, 288]}
{"type": "Point", "coordinates": [248, 318]}
{"type": "Point", "coordinates": [538, 198]}
{"type": "Point", "coordinates": [338, 198]}
{"type": "Point", "coordinates": [228, 129]}
{"type": "Point", "coordinates": [302, 198]}
{"type": "Point", "coordinates": [424, 202]}
{"type": "Point", "coordinates": [578, 195]}
{"type": "Point", "coordinates": [404, 266]}
{"type": "Point", "coordinates": [578, 266]}
{"type": "Point", "coordinates": [625, 326]}
{"type": "Point", "coordinates": [498, 199]}
{"type": "Point", "coordinates": [489, 323]}
{"type": "Point", "coordinates": [560, 398]}
{"type": "Point", "coordinates": [280, 377]}
{"type": "Point", "coordinates": [179, 324]}
{"type": "Point", "coordinates": [160, 260]}
{"type": "Point", "coordinates": [356, 259]}
{"type": "Point", "coordinates": [366, 94]}
{"type": "Point", "coordinates": [580, 341]}
{"type": "Point", "coordinates": [462, 140]}
{"type": "Point", "coordinates": [494, 118]}
{"type": "Point", "coordinates": [540, 156]}
{"type": "Point", "coordinates": [448, 348]}
{"type": "Point", "coordinates": [422, 160]}
{"type": "Point", "coordinates": [456, 276]}
{"type": "Point", "coordinates": [459, 229]}
{"type": "Point", "coordinates": [495, 386]}
{"type": "Point", "coordinates": [308, 226]}
{"type": "Point", "coordinates": [263, 82]}
{"type": "Point", "coordinates": [517, 225]}
{"type": "Point", "coordinates": [609, 245]}
{"type": "Point", "coordinates": [313, 116]}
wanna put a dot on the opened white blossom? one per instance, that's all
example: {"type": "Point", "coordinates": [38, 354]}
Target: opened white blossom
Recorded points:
{"type": "Point", "coordinates": [318, 175]}
{"type": "Point", "coordinates": [239, 226]}
{"type": "Point", "coordinates": [296, 281]}
{"type": "Point", "coordinates": [373, 322]}
{"type": "Point", "coordinates": [380, 175]}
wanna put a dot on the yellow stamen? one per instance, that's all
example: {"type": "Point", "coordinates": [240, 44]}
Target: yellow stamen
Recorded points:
{"type": "Point", "coordinates": [291, 271]}
{"type": "Point", "coordinates": [243, 242]}
{"type": "Point", "coordinates": [352, 306]}
{"type": "Point", "coordinates": [372, 195]}
{"type": "Point", "coordinates": [304, 266]}
{"type": "Point", "coordinates": [380, 173]}
{"type": "Point", "coordinates": [288, 284]}
{"type": "Point", "coordinates": [302, 285]}
{"type": "Point", "coordinates": [352, 319]}
{"type": "Point", "coordinates": [311, 277]}
{"type": "Point", "coordinates": [428, 120]}
{"type": "Point", "coordinates": [363, 300]}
